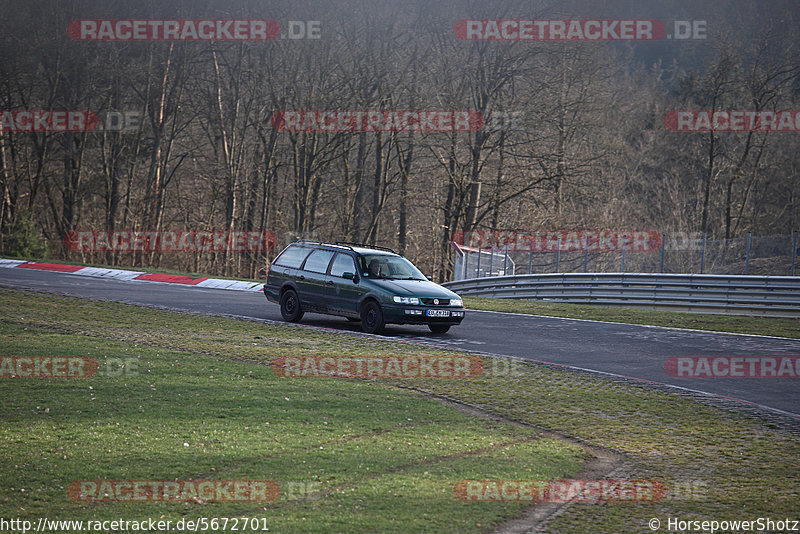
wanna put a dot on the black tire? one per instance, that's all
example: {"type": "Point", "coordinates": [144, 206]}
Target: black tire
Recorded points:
{"type": "Point", "coordinates": [290, 306]}
{"type": "Point", "coordinates": [372, 318]}
{"type": "Point", "coordinates": [439, 328]}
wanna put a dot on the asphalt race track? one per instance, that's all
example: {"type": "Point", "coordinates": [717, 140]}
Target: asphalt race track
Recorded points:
{"type": "Point", "coordinates": [628, 350]}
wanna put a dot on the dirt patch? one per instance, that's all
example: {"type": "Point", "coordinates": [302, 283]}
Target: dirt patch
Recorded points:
{"type": "Point", "coordinates": [604, 463]}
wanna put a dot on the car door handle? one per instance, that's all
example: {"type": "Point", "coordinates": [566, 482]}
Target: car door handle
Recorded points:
{"type": "Point", "coordinates": [329, 282]}
{"type": "Point", "coordinates": [301, 277]}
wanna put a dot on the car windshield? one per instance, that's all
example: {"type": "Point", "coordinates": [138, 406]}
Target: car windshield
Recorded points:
{"type": "Point", "coordinates": [387, 266]}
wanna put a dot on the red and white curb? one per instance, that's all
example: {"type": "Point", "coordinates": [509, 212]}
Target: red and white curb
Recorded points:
{"type": "Point", "coordinates": [134, 276]}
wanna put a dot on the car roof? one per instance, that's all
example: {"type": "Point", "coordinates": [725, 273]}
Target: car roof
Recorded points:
{"type": "Point", "coordinates": [373, 251]}
{"type": "Point", "coordinates": [362, 249]}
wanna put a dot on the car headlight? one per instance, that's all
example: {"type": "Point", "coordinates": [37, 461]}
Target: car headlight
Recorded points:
{"type": "Point", "coordinates": [406, 300]}
{"type": "Point", "coordinates": [456, 302]}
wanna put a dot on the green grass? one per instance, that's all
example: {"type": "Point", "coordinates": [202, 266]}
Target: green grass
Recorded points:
{"type": "Point", "coordinates": [384, 459]}
{"type": "Point", "coordinates": [766, 326]}
{"type": "Point", "coordinates": [203, 404]}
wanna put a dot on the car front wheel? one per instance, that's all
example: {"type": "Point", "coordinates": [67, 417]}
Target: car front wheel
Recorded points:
{"type": "Point", "coordinates": [372, 318]}
{"type": "Point", "coordinates": [439, 328]}
{"type": "Point", "coordinates": [290, 306]}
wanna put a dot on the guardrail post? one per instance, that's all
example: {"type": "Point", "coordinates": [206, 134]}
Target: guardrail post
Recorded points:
{"type": "Point", "coordinates": [703, 255]}
{"type": "Point", "coordinates": [558, 255]}
{"type": "Point", "coordinates": [478, 268]}
{"type": "Point", "coordinates": [491, 260]}
{"type": "Point", "coordinates": [747, 256]}
{"type": "Point", "coordinates": [794, 249]}
{"type": "Point", "coordinates": [530, 259]}
{"type": "Point", "coordinates": [466, 259]}
{"type": "Point", "coordinates": [663, 246]}
{"type": "Point", "coordinates": [505, 261]}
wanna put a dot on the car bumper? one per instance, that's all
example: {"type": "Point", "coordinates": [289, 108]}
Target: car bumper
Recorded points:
{"type": "Point", "coordinates": [271, 292]}
{"type": "Point", "coordinates": [423, 315]}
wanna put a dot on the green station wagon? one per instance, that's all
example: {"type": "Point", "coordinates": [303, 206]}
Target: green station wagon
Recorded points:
{"type": "Point", "coordinates": [360, 282]}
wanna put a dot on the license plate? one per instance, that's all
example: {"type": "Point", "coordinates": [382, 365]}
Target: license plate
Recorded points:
{"type": "Point", "coordinates": [438, 313]}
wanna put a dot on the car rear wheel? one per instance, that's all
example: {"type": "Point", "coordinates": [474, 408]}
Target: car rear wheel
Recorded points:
{"type": "Point", "coordinates": [439, 328]}
{"type": "Point", "coordinates": [290, 306]}
{"type": "Point", "coordinates": [372, 318]}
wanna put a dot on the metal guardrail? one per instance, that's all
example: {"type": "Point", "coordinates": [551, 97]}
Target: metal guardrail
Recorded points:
{"type": "Point", "coordinates": [768, 296]}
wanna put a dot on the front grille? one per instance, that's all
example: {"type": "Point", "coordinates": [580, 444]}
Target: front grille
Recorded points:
{"type": "Point", "coordinates": [430, 301]}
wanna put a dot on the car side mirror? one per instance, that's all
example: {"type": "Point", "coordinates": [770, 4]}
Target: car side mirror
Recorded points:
{"type": "Point", "coordinates": [430, 278]}
{"type": "Point", "coordinates": [349, 276]}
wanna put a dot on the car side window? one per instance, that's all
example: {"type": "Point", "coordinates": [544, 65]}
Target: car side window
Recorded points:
{"type": "Point", "coordinates": [292, 257]}
{"type": "Point", "coordinates": [343, 263]}
{"type": "Point", "coordinates": [318, 260]}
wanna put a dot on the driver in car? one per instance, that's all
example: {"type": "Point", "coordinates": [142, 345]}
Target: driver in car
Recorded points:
{"type": "Point", "coordinates": [374, 268]}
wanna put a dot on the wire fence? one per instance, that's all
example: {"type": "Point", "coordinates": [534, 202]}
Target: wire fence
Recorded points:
{"type": "Point", "coordinates": [681, 252]}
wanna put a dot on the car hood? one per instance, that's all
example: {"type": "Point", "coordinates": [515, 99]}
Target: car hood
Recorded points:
{"type": "Point", "coordinates": [415, 288]}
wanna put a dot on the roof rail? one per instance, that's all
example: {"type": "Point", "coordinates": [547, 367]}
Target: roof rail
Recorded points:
{"type": "Point", "coordinates": [311, 242]}
{"type": "Point", "coordinates": [364, 245]}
